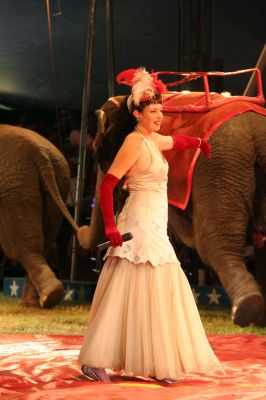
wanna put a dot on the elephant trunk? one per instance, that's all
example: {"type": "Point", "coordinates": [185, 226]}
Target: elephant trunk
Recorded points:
{"type": "Point", "coordinates": [89, 236]}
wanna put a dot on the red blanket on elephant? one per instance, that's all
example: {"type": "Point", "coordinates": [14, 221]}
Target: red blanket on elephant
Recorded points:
{"type": "Point", "coordinates": [201, 124]}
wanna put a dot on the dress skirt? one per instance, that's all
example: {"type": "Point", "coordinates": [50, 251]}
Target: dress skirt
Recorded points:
{"type": "Point", "coordinates": [144, 321]}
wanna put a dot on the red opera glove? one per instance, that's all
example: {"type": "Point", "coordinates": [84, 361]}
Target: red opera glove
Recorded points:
{"type": "Point", "coordinates": [182, 142]}
{"type": "Point", "coordinates": [107, 205]}
{"type": "Point", "coordinates": [205, 147]}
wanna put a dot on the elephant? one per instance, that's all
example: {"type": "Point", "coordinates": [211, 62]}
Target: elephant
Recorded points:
{"type": "Point", "coordinates": [227, 204]}
{"type": "Point", "coordinates": [34, 184]}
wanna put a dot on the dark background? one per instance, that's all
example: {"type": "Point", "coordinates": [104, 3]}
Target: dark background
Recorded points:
{"type": "Point", "coordinates": [146, 33]}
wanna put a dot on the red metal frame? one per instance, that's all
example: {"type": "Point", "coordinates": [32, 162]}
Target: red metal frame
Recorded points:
{"type": "Point", "coordinates": [206, 102]}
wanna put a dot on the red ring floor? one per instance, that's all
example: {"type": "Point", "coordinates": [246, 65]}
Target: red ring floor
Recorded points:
{"type": "Point", "coordinates": [45, 368]}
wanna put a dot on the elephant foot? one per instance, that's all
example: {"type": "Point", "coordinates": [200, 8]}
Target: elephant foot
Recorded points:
{"type": "Point", "coordinates": [51, 296]}
{"type": "Point", "coordinates": [50, 289]}
{"type": "Point", "coordinates": [248, 310]}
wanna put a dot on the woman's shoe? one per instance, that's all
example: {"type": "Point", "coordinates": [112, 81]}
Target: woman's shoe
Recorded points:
{"type": "Point", "coordinates": [95, 374]}
{"type": "Point", "coordinates": [168, 381]}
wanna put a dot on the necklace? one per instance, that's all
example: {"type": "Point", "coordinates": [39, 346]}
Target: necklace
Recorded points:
{"type": "Point", "coordinates": [147, 137]}
{"type": "Point", "coordinates": [152, 145]}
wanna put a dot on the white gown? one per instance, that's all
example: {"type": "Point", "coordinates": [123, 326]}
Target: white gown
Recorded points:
{"type": "Point", "coordinates": [143, 318]}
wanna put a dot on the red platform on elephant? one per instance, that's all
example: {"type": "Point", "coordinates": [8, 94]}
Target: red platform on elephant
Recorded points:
{"type": "Point", "coordinates": [45, 367]}
{"type": "Point", "coordinates": [202, 124]}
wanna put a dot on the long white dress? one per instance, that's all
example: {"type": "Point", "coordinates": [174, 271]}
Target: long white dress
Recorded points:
{"type": "Point", "coordinates": [143, 318]}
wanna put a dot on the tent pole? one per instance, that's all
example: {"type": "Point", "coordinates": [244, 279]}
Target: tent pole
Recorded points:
{"type": "Point", "coordinates": [83, 134]}
{"type": "Point", "coordinates": [54, 74]}
{"type": "Point", "coordinates": [252, 83]}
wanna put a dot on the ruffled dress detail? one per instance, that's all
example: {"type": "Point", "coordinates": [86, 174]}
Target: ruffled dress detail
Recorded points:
{"type": "Point", "coordinates": [145, 215]}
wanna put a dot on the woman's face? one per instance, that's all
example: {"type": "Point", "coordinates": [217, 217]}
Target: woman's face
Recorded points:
{"type": "Point", "coordinates": [150, 118]}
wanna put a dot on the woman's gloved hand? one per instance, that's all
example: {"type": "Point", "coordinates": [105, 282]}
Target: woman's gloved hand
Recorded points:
{"type": "Point", "coordinates": [183, 142]}
{"type": "Point", "coordinates": [112, 233]}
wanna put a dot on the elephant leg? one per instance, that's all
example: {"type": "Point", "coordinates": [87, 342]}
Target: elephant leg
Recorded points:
{"type": "Point", "coordinates": [180, 227]}
{"type": "Point", "coordinates": [224, 257]}
{"type": "Point", "coordinates": [21, 237]}
{"type": "Point", "coordinates": [48, 287]}
{"type": "Point", "coordinates": [222, 207]}
{"type": "Point", "coordinates": [223, 251]}
{"type": "Point", "coordinates": [241, 287]}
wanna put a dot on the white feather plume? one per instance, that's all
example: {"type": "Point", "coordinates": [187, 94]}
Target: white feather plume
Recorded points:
{"type": "Point", "coordinates": [142, 86]}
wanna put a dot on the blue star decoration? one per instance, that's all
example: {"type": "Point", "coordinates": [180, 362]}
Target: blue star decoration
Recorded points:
{"type": "Point", "coordinates": [79, 291]}
{"type": "Point", "coordinates": [210, 295]}
{"type": "Point", "coordinates": [83, 292]}
{"type": "Point", "coordinates": [213, 297]}
{"type": "Point", "coordinates": [13, 287]}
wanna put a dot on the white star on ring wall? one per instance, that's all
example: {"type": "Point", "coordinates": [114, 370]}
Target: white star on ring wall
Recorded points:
{"type": "Point", "coordinates": [81, 293]}
{"type": "Point", "coordinates": [69, 293]}
{"type": "Point", "coordinates": [213, 297]}
{"type": "Point", "coordinates": [14, 288]}
{"type": "Point", "coordinates": [196, 295]}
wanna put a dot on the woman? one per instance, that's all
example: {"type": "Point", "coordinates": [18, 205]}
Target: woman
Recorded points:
{"type": "Point", "coordinates": [143, 318]}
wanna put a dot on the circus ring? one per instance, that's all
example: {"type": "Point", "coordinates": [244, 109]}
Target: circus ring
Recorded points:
{"type": "Point", "coordinates": [45, 366]}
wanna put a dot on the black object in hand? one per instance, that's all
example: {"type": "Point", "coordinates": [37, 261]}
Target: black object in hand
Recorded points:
{"type": "Point", "coordinates": [125, 237]}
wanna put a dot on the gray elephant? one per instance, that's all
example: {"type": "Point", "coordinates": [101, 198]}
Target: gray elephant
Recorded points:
{"type": "Point", "coordinates": [34, 183]}
{"type": "Point", "coordinates": [227, 203]}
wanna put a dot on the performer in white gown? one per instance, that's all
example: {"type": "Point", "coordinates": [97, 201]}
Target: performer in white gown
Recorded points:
{"type": "Point", "coordinates": [143, 319]}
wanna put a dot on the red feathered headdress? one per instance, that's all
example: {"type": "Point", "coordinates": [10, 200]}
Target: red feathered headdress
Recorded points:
{"type": "Point", "coordinates": [126, 77]}
{"type": "Point", "coordinates": [145, 86]}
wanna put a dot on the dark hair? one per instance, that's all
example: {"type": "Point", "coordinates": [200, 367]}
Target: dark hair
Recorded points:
{"type": "Point", "coordinates": [156, 99]}
{"type": "Point", "coordinates": [120, 124]}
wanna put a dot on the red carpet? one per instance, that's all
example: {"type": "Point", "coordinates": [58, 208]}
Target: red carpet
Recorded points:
{"type": "Point", "coordinates": [45, 368]}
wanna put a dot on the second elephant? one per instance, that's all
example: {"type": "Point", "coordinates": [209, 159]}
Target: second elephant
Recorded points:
{"type": "Point", "coordinates": [34, 182]}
